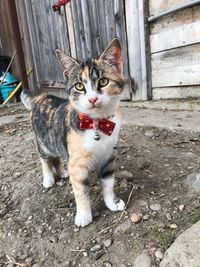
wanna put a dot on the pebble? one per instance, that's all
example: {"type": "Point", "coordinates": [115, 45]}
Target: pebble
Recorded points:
{"type": "Point", "coordinates": [149, 134]}
{"type": "Point", "coordinates": [10, 265]}
{"type": "Point", "coordinates": [159, 255]}
{"type": "Point", "coordinates": [193, 182]}
{"type": "Point", "coordinates": [123, 227]}
{"type": "Point", "coordinates": [124, 183]}
{"type": "Point", "coordinates": [173, 226]}
{"type": "Point", "coordinates": [125, 174]}
{"type": "Point", "coordinates": [181, 207]}
{"type": "Point", "coordinates": [155, 207]}
{"type": "Point", "coordinates": [135, 218]}
{"type": "Point", "coordinates": [168, 216]}
{"type": "Point", "coordinates": [146, 217]}
{"type": "Point", "coordinates": [85, 254]}
{"type": "Point", "coordinates": [107, 243]}
{"type": "Point", "coordinates": [143, 260]}
{"type": "Point", "coordinates": [108, 264]}
{"type": "Point", "coordinates": [95, 248]}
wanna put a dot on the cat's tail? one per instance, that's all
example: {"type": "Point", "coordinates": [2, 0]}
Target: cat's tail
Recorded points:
{"type": "Point", "coordinates": [27, 98]}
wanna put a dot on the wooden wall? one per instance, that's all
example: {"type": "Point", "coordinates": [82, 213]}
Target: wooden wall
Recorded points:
{"type": "Point", "coordinates": [83, 28]}
{"type": "Point", "coordinates": [175, 51]}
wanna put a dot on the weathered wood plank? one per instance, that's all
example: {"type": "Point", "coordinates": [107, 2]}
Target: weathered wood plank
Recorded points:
{"type": "Point", "coordinates": [70, 25]}
{"type": "Point", "coordinates": [177, 76]}
{"type": "Point", "coordinates": [180, 36]}
{"type": "Point", "coordinates": [176, 92]}
{"type": "Point", "coordinates": [156, 6]}
{"type": "Point", "coordinates": [177, 19]}
{"type": "Point", "coordinates": [183, 56]}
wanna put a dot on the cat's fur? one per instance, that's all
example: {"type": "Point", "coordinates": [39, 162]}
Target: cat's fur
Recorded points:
{"type": "Point", "coordinates": [56, 125]}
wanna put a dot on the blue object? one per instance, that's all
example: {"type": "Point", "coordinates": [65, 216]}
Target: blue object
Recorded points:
{"type": "Point", "coordinates": [8, 85]}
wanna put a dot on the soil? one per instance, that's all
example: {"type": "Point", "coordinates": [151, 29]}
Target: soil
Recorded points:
{"type": "Point", "coordinates": [37, 226]}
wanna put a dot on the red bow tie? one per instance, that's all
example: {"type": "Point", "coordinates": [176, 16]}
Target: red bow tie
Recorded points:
{"type": "Point", "coordinates": [103, 125]}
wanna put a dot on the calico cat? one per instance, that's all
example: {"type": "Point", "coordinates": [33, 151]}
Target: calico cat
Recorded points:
{"type": "Point", "coordinates": [84, 129]}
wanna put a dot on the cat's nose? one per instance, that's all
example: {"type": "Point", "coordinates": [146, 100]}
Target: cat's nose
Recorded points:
{"type": "Point", "coordinates": [92, 100]}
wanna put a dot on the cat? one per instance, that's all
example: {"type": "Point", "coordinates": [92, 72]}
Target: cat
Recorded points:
{"type": "Point", "coordinates": [83, 129]}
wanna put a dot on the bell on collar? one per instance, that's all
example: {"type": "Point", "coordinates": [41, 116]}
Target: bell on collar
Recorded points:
{"type": "Point", "coordinates": [96, 136]}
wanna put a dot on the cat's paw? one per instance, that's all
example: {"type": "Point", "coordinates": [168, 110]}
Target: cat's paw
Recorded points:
{"type": "Point", "coordinates": [83, 218]}
{"type": "Point", "coordinates": [48, 180]}
{"type": "Point", "coordinates": [63, 174]}
{"type": "Point", "coordinates": [115, 204]}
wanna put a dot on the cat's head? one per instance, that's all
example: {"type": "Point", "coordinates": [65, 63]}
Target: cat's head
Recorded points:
{"type": "Point", "coordinates": [94, 86]}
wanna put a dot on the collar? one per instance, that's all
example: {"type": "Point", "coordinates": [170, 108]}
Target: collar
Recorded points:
{"type": "Point", "coordinates": [104, 125]}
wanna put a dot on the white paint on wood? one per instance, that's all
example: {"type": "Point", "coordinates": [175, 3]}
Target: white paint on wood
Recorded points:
{"type": "Point", "coordinates": [178, 76]}
{"type": "Point", "coordinates": [157, 6]}
{"type": "Point", "coordinates": [182, 56]}
{"type": "Point", "coordinates": [176, 92]}
{"type": "Point", "coordinates": [176, 37]}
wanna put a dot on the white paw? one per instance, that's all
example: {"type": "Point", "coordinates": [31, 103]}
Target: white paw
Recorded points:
{"type": "Point", "coordinates": [83, 218]}
{"type": "Point", "coordinates": [115, 204]}
{"type": "Point", "coordinates": [48, 179]}
{"type": "Point", "coordinates": [63, 174]}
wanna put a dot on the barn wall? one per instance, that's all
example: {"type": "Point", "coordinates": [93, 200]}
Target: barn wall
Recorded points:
{"type": "Point", "coordinates": [175, 51]}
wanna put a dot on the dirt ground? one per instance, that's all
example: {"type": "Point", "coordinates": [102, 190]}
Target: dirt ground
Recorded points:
{"type": "Point", "coordinates": [37, 226]}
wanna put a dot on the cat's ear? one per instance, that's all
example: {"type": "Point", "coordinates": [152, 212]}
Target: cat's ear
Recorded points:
{"type": "Point", "coordinates": [66, 61]}
{"type": "Point", "coordinates": [113, 55]}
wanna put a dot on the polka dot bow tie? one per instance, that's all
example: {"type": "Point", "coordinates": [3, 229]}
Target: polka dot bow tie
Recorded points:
{"type": "Point", "coordinates": [103, 125]}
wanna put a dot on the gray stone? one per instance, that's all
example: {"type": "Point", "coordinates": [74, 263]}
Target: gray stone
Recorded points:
{"type": "Point", "coordinates": [184, 252]}
{"type": "Point", "coordinates": [125, 174]}
{"type": "Point", "coordinates": [155, 207]}
{"type": "Point", "coordinates": [193, 182]}
{"type": "Point", "coordinates": [143, 260]}
{"type": "Point", "coordinates": [95, 248]}
{"type": "Point", "coordinates": [123, 227]}
{"type": "Point", "coordinates": [149, 134]}
{"type": "Point", "coordinates": [107, 243]}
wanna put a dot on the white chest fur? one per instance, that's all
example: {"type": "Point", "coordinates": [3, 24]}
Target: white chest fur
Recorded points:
{"type": "Point", "coordinates": [103, 148]}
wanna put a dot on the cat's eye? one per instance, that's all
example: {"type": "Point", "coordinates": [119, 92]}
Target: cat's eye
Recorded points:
{"type": "Point", "coordinates": [103, 82]}
{"type": "Point", "coordinates": [79, 86]}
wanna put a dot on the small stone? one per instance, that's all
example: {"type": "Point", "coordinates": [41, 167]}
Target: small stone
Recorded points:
{"type": "Point", "coordinates": [155, 207]}
{"type": "Point", "coordinates": [123, 227]}
{"type": "Point", "coordinates": [29, 261]}
{"type": "Point", "coordinates": [85, 254]}
{"type": "Point", "coordinates": [108, 264]}
{"type": "Point", "coordinates": [168, 216]}
{"type": "Point", "coordinates": [193, 182]}
{"type": "Point", "coordinates": [125, 174]}
{"type": "Point", "coordinates": [146, 217]}
{"type": "Point", "coordinates": [30, 218]}
{"type": "Point", "coordinates": [159, 255]}
{"type": "Point", "coordinates": [95, 248]}
{"type": "Point", "coordinates": [124, 183]}
{"type": "Point", "coordinates": [149, 134]}
{"type": "Point", "coordinates": [10, 265]}
{"type": "Point", "coordinates": [135, 218]}
{"type": "Point", "coordinates": [107, 243]}
{"type": "Point", "coordinates": [76, 230]}
{"type": "Point", "coordinates": [181, 207]}
{"type": "Point", "coordinates": [143, 260]}
{"type": "Point", "coordinates": [173, 226]}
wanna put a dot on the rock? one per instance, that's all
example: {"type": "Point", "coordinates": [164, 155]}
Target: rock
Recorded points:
{"type": "Point", "coordinates": [184, 252]}
{"type": "Point", "coordinates": [143, 260]}
{"type": "Point", "coordinates": [193, 182]}
{"type": "Point", "coordinates": [124, 183]}
{"type": "Point", "coordinates": [10, 265]}
{"type": "Point", "coordinates": [159, 255]}
{"type": "Point", "coordinates": [107, 264]}
{"type": "Point", "coordinates": [125, 174]}
{"type": "Point", "coordinates": [181, 207]}
{"type": "Point", "coordinates": [85, 254]}
{"type": "Point", "coordinates": [135, 218]}
{"type": "Point", "coordinates": [95, 248]}
{"type": "Point", "coordinates": [149, 134]}
{"type": "Point", "coordinates": [168, 216]}
{"type": "Point", "coordinates": [155, 207]}
{"type": "Point", "coordinates": [107, 243]}
{"type": "Point", "coordinates": [123, 227]}
{"type": "Point", "coordinates": [173, 226]}
{"type": "Point", "coordinates": [146, 217]}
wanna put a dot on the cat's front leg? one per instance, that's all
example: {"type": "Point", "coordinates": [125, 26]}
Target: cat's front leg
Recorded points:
{"type": "Point", "coordinates": [106, 175]}
{"type": "Point", "coordinates": [79, 180]}
{"type": "Point", "coordinates": [48, 177]}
